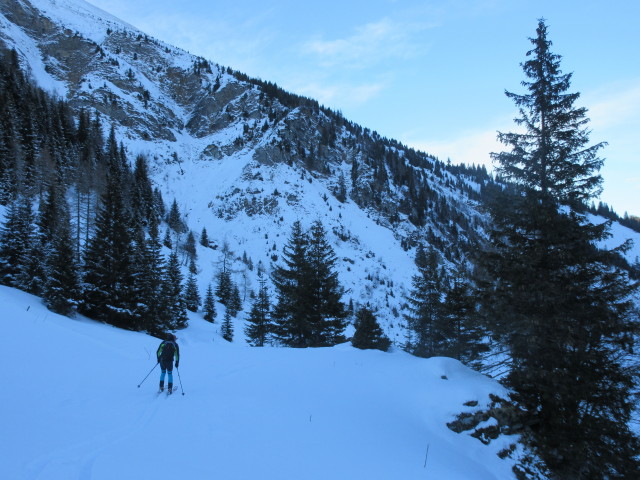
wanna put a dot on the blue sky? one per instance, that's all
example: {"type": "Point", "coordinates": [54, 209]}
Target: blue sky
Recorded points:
{"type": "Point", "coordinates": [431, 74]}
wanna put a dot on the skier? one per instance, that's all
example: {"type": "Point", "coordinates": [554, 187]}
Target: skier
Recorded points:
{"type": "Point", "coordinates": [167, 351]}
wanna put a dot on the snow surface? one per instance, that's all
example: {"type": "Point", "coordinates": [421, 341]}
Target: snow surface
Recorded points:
{"type": "Point", "coordinates": [619, 235]}
{"type": "Point", "coordinates": [71, 409]}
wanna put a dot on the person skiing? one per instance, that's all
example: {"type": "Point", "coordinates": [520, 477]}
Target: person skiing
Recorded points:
{"type": "Point", "coordinates": [167, 351]}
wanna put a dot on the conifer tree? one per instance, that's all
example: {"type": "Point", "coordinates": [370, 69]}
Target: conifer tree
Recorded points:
{"type": "Point", "coordinates": [259, 326]}
{"type": "Point", "coordinates": [174, 311]}
{"type": "Point", "coordinates": [368, 334]}
{"type": "Point", "coordinates": [234, 305]}
{"type": "Point", "coordinates": [226, 330]}
{"type": "Point", "coordinates": [52, 212]}
{"type": "Point", "coordinates": [193, 267]}
{"type": "Point", "coordinates": [167, 239]}
{"type": "Point", "coordinates": [109, 274]}
{"type": "Point", "coordinates": [328, 312]}
{"type": "Point", "coordinates": [563, 311]}
{"type": "Point", "coordinates": [204, 238]}
{"type": "Point", "coordinates": [63, 292]}
{"type": "Point", "coordinates": [465, 330]}
{"type": "Point", "coordinates": [425, 304]}
{"type": "Point", "coordinates": [190, 247]}
{"type": "Point", "coordinates": [158, 203]}
{"type": "Point", "coordinates": [174, 219]}
{"type": "Point", "coordinates": [224, 289]}
{"type": "Point", "coordinates": [341, 191]}
{"type": "Point", "coordinates": [191, 294]}
{"type": "Point", "coordinates": [209, 307]}
{"type": "Point", "coordinates": [16, 238]}
{"type": "Point", "coordinates": [149, 274]}
{"type": "Point", "coordinates": [292, 302]}
{"type": "Point", "coordinates": [142, 203]}
{"type": "Point", "coordinates": [33, 272]}
{"type": "Point", "coordinates": [309, 311]}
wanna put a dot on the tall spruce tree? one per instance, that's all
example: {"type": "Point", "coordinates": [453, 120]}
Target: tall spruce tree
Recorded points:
{"type": "Point", "coordinates": [290, 312]}
{"type": "Point", "coordinates": [328, 312]}
{"type": "Point", "coordinates": [309, 311]}
{"type": "Point", "coordinates": [34, 272]}
{"type": "Point", "coordinates": [563, 310]}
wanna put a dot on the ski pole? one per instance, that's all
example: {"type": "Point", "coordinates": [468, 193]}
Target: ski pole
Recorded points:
{"type": "Point", "coordinates": [180, 380]}
{"type": "Point", "coordinates": [154, 367]}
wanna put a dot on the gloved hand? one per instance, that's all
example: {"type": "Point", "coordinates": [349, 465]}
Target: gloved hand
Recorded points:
{"type": "Point", "coordinates": [177, 364]}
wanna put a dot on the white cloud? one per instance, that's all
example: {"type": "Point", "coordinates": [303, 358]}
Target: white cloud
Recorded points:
{"type": "Point", "coordinates": [370, 44]}
{"type": "Point", "coordinates": [614, 105]}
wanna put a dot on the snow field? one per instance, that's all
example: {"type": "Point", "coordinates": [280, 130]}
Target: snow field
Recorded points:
{"type": "Point", "coordinates": [71, 408]}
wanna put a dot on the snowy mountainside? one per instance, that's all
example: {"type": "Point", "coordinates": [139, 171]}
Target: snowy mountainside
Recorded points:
{"type": "Point", "coordinates": [244, 159]}
{"type": "Point", "coordinates": [71, 409]}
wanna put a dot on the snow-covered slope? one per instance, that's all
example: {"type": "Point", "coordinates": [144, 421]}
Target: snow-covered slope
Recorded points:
{"type": "Point", "coordinates": [207, 146]}
{"type": "Point", "coordinates": [71, 409]}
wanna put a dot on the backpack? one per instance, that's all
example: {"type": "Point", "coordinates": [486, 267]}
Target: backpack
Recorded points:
{"type": "Point", "coordinates": [168, 350]}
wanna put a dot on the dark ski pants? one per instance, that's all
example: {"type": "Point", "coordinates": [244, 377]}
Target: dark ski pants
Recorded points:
{"type": "Point", "coordinates": [167, 367]}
